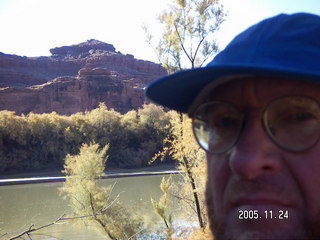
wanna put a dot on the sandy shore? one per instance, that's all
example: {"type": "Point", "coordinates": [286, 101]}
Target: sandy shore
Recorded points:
{"type": "Point", "coordinates": [57, 176]}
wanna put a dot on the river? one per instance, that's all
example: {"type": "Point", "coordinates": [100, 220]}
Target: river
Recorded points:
{"type": "Point", "coordinates": [24, 205]}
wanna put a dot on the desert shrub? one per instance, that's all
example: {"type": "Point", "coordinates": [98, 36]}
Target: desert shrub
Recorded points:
{"type": "Point", "coordinates": [47, 139]}
{"type": "Point", "coordinates": [88, 198]}
{"type": "Point", "coordinates": [106, 123]}
{"type": "Point", "coordinates": [78, 132]}
{"type": "Point", "coordinates": [190, 191]}
{"type": "Point", "coordinates": [14, 132]}
{"type": "Point", "coordinates": [40, 141]}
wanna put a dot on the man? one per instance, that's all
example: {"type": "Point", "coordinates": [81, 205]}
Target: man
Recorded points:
{"type": "Point", "coordinates": [256, 112]}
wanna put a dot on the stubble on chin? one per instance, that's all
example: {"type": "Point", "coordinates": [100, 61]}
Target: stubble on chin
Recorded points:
{"type": "Point", "coordinates": [309, 231]}
{"type": "Point", "coordinates": [217, 228]}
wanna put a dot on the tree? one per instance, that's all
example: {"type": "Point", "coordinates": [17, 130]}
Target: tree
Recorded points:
{"type": "Point", "coordinates": [87, 198]}
{"type": "Point", "coordinates": [182, 146]}
{"type": "Point", "coordinates": [161, 206]}
{"type": "Point", "coordinates": [189, 27]}
{"type": "Point", "coordinates": [188, 36]}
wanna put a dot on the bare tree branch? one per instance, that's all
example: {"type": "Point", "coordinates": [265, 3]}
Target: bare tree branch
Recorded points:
{"type": "Point", "coordinates": [182, 44]}
{"type": "Point", "coordinates": [3, 235]}
{"type": "Point", "coordinates": [198, 47]}
{"type": "Point", "coordinates": [31, 229]}
{"type": "Point", "coordinates": [135, 234]}
{"type": "Point", "coordinates": [109, 196]}
{"type": "Point", "coordinates": [99, 221]}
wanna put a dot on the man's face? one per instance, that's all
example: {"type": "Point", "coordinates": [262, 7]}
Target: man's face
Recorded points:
{"type": "Point", "coordinates": [258, 190]}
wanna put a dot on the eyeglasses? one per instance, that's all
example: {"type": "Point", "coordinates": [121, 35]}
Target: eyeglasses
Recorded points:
{"type": "Point", "coordinates": [292, 122]}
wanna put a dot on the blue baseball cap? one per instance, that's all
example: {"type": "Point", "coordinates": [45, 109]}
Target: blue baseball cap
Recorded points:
{"type": "Point", "coordinates": [283, 46]}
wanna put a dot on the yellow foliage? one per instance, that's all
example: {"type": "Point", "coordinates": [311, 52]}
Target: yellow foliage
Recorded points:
{"type": "Point", "coordinates": [161, 207]}
{"type": "Point", "coordinates": [190, 192]}
{"type": "Point", "coordinates": [43, 140]}
{"type": "Point", "coordinates": [188, 34]}
{"type": "Point", "coordinates": [88, 198]}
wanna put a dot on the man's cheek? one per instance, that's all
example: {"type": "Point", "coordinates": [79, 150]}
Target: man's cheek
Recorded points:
{"type": "Point", "coordinates": [218, 176]}
{"type": "Point", "coordinates": [215, 216]}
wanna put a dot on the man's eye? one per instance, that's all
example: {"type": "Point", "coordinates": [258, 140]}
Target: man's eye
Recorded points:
{"type": "Point", "coordinates": [302, 116]}
{"type": "Point", "coordinates": [296, 117]}
{"type": "Point", "coordinates": [228, 121]}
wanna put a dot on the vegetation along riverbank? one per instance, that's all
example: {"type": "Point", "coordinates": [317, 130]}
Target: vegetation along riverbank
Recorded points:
{"type": "Point", "coordinates": [37, 141]}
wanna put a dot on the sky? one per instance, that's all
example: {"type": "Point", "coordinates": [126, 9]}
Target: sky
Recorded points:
{"type": "Point", "coordinates": [32, 27]}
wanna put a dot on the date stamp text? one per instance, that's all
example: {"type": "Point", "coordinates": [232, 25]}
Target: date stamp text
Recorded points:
{"type": "Point", "coordinates": [267, 214]}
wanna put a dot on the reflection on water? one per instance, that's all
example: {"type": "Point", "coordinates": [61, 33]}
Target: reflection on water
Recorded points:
{"type": "Point", "coordinates": [39, 204]}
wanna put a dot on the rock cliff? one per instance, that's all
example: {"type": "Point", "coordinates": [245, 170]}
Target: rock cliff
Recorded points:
{"type": "Point", "coordinates": [75, 78]}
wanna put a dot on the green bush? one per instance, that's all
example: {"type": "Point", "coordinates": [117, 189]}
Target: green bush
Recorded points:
{"type": "Point", "coordinates": [87, 198]}
{"type": "Point", "coordinates": [38, 141]}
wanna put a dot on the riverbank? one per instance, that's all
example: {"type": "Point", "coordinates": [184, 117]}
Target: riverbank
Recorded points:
{"type": "Point", "coordinates": [58, 176]}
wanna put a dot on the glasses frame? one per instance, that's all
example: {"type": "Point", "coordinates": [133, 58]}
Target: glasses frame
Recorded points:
{"type": "Point", "coordinates": [264, 122]}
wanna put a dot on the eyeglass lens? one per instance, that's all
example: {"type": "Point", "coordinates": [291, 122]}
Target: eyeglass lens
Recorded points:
{"type": "Point", "coordinates": [292, 122]}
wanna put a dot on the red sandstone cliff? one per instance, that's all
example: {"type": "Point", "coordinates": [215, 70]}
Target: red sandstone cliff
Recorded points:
{"type": "Point", "coordinates": [75, 78]}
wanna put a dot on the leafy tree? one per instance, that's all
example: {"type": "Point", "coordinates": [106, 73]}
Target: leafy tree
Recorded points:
{"type": "Point", "coordinates": [13, 141]}
{"type": "Point", "coordinates": [189, 27]}
{"type": "Point", "coordinates": [80, 130]}
{"type": "Point", "coordinates": [43, 140]}
{"type": "Point", "coordinates": [155, 124]}
{"type": "Point", "coordinates": [182, 146]}
{"type": "Point", "coordinates": [161, 207]}
{"type": "Point", "coordinates": [188, 36]}
{"type": "Point", "coordinates": [107, 124]}
{"type": "Point", "coordinates": [47, 139]}
{"type": "Point", "coordinates": [88, 198]}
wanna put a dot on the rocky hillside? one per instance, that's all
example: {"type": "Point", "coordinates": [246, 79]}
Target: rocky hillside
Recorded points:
{"type": "Point", "coordinates": [75, 78]}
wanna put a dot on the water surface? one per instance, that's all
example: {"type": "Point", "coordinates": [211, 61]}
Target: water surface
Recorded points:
{"type": "Point", "coordinates": [39, 204]}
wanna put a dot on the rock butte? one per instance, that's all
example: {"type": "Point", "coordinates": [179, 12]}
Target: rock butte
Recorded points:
{"type": "Point", "coordinates": [75, 79]}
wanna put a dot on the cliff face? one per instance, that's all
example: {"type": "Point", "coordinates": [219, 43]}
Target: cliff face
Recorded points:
{"type": "Point", "coordinates": [75, 78]}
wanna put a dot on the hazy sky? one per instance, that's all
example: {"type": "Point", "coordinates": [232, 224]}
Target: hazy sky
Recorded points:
{"type": "Point", "coordinates": [32, 27]}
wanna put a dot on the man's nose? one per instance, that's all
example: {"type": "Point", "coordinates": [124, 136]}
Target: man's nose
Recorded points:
{"type": "Point", "coordinates": [255, 153]}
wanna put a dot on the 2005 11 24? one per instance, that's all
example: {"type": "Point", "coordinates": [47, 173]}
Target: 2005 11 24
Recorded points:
{"type": "Point", "coordinates": [267, 214]}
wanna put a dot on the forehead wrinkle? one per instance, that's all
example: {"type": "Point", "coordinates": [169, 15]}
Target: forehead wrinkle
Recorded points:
{"type": "Point", "coordinates": [241, 92]}
{"type": "Point", "coordinates": [254, 97]}
{"type": "Point", "coordinates": [258, 91]}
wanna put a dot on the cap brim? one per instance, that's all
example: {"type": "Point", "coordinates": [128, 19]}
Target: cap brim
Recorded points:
{"type": "Point", "coordinates": [178, 91]}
